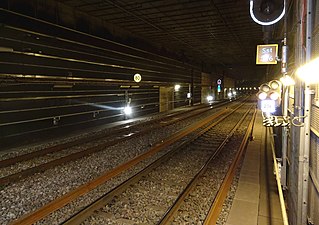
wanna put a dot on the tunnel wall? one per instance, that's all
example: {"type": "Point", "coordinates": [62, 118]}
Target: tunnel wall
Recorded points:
{"type": "Point", "coordinates": [61, 68]}
{"type": "Point", "coordinates": [296, 155]}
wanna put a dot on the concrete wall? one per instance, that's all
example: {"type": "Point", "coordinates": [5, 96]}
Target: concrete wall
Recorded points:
{"type": "Point", "coordinates": [207, 83]}
{"type": "Point", "coordinates": [166, 98]}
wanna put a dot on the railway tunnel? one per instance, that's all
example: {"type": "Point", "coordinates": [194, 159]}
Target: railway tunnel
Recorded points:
{"type": "Point", "coordinates": [73, 70]}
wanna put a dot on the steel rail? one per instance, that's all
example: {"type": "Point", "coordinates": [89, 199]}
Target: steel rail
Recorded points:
{"type": "Point", "coordinates": [171, 212]}
{"type": "Point", "coordinates": [44, 211]}
{"type": "Point", "coordinates": [217, 205]}
{"type": "Point", "coordinates": [87, 211]}
{"type": "Point", "coordinates": [279, 187]}
{"type": "Point", "coordinates": [115, 131]}
{"type": "Point", "coordinates": [71, 157]}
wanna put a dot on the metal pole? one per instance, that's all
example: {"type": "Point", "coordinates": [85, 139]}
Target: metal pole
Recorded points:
{"type": "Point", "coordinates": [299, 131]}
{"type": "Point", "coordinates": [283, 171]}
{"type": "Point", "coordinates": [284, 64]}
{"type": "Point", "coordinates": [307, 108]}
{"type": "Point", "coordinates": [190, 97]}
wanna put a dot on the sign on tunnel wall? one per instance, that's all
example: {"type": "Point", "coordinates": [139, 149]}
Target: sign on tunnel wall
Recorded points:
{"type": "Point", "coordinates": [266, 54]}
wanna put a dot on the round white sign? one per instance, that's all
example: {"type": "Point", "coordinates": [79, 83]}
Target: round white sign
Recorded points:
{"type": "Point", "coordinates": [137, 77]}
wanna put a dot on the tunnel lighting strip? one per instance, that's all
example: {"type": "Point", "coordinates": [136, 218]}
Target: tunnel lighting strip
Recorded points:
{"type": "Point", "coordinates": [265, 23]}
{"type": "Point", "coordinates": [281, 196]}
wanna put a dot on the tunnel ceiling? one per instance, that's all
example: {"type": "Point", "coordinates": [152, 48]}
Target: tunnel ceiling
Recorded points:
{"type": "Point", "coordinates": [218, 33]}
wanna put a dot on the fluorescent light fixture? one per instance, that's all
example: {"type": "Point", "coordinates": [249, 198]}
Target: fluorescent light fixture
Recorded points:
{"type": "Point", "coordinates": [309, 72]}
{"type": "Point", "coordinates": [177, 87]}
{"type": "Point", "coordinates": [262, 22]}
{"type": "Point", "coordinates": [287, 81]}
{"type": "Point", "coordinates": [6, 49]}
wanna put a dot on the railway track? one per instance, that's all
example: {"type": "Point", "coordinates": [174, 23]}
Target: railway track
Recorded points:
{"type": "Point", "coordinates": [201, 155]}
{"type": "Point", "coordinates": [172, 176]}
{"type": "Point", "coordinates": [46, 158]}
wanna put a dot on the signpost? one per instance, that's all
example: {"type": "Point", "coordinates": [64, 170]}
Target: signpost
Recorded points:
{"type": "Point", "coordinates": [266, 54]}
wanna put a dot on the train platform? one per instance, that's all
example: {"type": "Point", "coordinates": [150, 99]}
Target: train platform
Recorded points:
{"type": "Point", "coordinates": [256, 200]}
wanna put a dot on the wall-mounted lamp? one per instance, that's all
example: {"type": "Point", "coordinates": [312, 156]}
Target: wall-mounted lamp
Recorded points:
{"type": "Point", "coordinates": [127, 110]}
{"type": "Point", "coordinates": [177, 87]}
{"type": "Point", "coordinates": [309, 72]}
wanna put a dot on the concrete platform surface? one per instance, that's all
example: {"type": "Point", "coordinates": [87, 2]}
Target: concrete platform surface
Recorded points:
{"type": "Point", "coordinates": [256, 200]}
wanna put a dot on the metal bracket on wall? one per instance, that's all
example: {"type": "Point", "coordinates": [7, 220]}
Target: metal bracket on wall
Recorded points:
{"type": "Point", "coordinates": [56, 120]}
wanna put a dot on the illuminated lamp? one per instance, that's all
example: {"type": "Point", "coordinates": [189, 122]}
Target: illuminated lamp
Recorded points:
{"type": "Point", "coordinates": [274, 84]}
{"type": "Point", "coordinates": [264, 88]}
{"type": "Point", "coordinates": [262, 95]}
{"type": "Point", "coordinates": [177, 87]}
{"type": "Point", "coordinates": [309, 72]}
{"type": "Point", "coordinates": [127, 110]}
{"type": "Point", "coordinates": [209, 98]}
{"type": "Point", "coordinates": [274, 95]}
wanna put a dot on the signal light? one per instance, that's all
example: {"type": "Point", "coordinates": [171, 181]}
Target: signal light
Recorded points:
{"type": "Point", "coordinates": [265, 87]}
{"type": "Point", "coordinates": [267, 12]}
{"type": "Point", "coordinates": [274, 95]}
{"type": "Point", "coordinates": [262, 95]}
{"type": "Point", "coordinates": [274, 84]}
{"type": "Point", "coordinates": [269, 93]}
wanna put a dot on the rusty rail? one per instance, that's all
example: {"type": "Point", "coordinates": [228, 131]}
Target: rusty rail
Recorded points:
{"type": "Point", "coordinates": [49, 208]}
{"type": "Point", "coordinates": [45, 166]}
{"type": "Point", "coordinates": [217, 205]}
{"type": "Point", "coordinates": [169, 215]}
